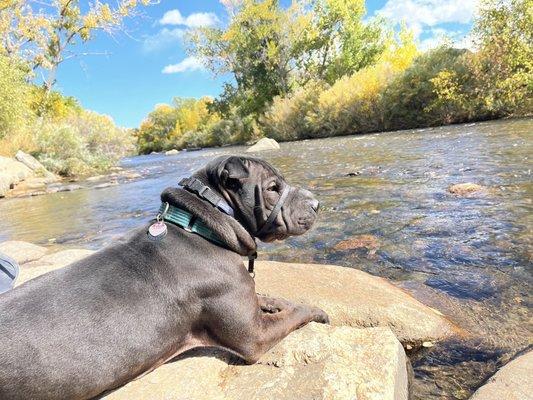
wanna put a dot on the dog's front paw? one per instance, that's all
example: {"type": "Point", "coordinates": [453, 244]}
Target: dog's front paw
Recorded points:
{"type": "Point", "coordinates": [320, 316]}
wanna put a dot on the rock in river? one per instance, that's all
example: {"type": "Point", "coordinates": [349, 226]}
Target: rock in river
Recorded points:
{"type": "Point", "coordinates": [512, 382]}
{"type": "Point", "coordinates": [172, 152]}
{"type": "Point", "coordinates": [350, 297]}
{"type": "Point", "coordinates": [368, 242]}
{"type": "Point", "coordinates": [22, 252]}
{"type": "Point", "coordinates": [264, 144]}
{"type": "Point", "coordinates": [354, 298]}
{"type": "Point", "coordinates": [465, 189]}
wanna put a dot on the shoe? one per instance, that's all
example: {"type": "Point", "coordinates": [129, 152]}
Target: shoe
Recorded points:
{"type": "Point", "coordinates": [9, 270]}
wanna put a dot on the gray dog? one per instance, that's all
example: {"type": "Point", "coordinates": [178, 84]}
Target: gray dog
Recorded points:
{"type": "Point", "coordinates": [175, 284]}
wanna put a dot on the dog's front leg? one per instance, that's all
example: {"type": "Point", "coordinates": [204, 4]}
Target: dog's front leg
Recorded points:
{"type": "Point", "coordinates": [254, 325]}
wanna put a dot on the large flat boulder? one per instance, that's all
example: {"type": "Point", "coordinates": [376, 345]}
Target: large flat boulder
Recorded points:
{"type": "Point", "coordinates": [50, 262]}
{"type": "Point", "coordinates": [354, 298]}
{"type": "Point", "coordinates": [315, 362]}
{"type": "Point", "coordinates": [512, 382]}
{"type": "Point", "coordinates": [22, 252]}
{"type": "Point", "coordinates": [263, 144]}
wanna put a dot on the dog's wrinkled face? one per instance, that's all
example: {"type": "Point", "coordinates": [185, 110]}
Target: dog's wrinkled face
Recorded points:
{"type": "Point", "coordinates": [253, 188]}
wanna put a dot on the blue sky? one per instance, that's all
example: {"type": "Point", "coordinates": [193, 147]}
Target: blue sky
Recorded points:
{"type": "Point", "coordinates": [149, 65]}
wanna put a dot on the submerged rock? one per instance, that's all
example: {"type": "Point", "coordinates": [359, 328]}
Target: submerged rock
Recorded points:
{"type": "Point", "coordinates": [354, 298]}
{"type": "Point", "coordinates": [511, 382]}
{"type": "Point", "coordinates": [465, 189]}
{"type": "Point", "coordinates": [95, 178]}
{"type": "Point", "coordinates": [22, 252]}
{"type": "Point", "coordinates": [368, 242]}
{"type": "Point", "coordinates": [315, 362]}
{"type": "Point", "coordinates": [105, 185]}
{"type": "Point", "coordinates": [264, 144]}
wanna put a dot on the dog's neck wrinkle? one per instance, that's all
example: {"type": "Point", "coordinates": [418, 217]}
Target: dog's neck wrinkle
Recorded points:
{"type": "Point", "coordinates": [227, 228]}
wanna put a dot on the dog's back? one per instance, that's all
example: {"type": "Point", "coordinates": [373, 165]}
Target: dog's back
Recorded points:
{"type": "Point", "coordinates": [73, 331]}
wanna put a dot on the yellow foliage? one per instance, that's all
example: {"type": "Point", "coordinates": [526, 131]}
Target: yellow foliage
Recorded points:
{"type": "Point", "coordinates": [401, 54]}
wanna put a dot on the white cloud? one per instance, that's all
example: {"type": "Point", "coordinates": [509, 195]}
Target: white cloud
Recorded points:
{"type": "Point", "coordinates": [188, 64]}
{"type": "Point", "coordinates": [162, 39]}
{"type": "Point", "coordinates": [423, 17]}
{"type": "Point", "coordinates": [195, 20]}
{"type": "Point", "coordinates": [438, 36]}
{"type": "Point", "coordinates": [419, 13]}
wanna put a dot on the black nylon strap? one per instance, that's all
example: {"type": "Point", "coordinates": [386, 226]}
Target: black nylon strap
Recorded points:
{"type": "Point", "coordinates": [275, 211]}
{"type": "Point", "coordinates": [205, 192]}
{"type": "Point", "coordinates": [251, 259]}
{"type": "Point", "coordinates": [12, 275]}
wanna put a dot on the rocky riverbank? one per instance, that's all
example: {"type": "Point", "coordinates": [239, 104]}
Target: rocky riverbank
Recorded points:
{"type": "Point", "coordinates": [362, 355]}
{"type": "Point", "coordinates": [24, 176]}
{"type": "Point", "coordinates": [23, 172]}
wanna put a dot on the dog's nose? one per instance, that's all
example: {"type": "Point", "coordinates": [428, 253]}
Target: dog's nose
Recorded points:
{"type": "Point", "coordinates": [315, 205]}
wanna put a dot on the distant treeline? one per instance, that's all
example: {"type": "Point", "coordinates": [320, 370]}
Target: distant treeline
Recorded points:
{"type": "Point", "coordinates": [316, 69]}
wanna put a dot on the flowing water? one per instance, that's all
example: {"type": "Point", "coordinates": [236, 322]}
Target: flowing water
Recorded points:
{"type": "Point", "coordinates": [469, 257]}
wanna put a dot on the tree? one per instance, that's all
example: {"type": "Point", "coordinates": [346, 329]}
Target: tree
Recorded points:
{"type": "Point", "coordinates": [333, 41]}
{"type": "Point", "coordinates": [43, 32]}
{"type": "Point", "coordinates": [503, 33]}
{"type": "Point", "coordinates": [166, 125]}
{"type": "Point", "coordinates": [156, 130]}
{"type": "Point", "coordinates": [254, 48]}
{"type": "Point", "coordinates": [14, 96]}
{"type": "Point", "coordinates": [270, 50]}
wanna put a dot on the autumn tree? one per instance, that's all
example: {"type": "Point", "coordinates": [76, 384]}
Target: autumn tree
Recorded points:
{"type": "Point", "coordinates": [503, 34]}
{"type": "Point", "coordinates": [44, 32]}
{"type": "Point", "coordinates": [334, 41]}
{"type": "Point", "coordinates": [270, 50]}
{"type": "Point", "coordinates": [254, 48]}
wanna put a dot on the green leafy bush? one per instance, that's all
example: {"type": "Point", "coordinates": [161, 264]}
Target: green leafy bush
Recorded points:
{"type": "Point", "coordinates": [83, 143]}
{"type": "Point", "coordinates": [432, 91]}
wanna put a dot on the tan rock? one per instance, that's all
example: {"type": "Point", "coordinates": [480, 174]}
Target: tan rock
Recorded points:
{"type": "Point", "coordinates": [11, 173]}
{"type": "Point", "coordinates": [369, 242]}
{"type": "Point", "coordinates": [264, 144]}
{"type": "Point", "coordinates": [315, 362]}
{"type": "Point", "coordinates": [354, 298]}
{"type": "Point", "coordinates": [512, 382]}
{"type": "Point", "coordinates": [95, 178]}
{"type": "Point", "coordinates": [38, 168]}
{"type": "Point", "coordinates": [22, 252]}
{"type": "Point", "coordinates": [465, 189]}
{"type": "Point", "coordinates": [172, 152]}
{"type": "Point", "coordinates": [51, 262]}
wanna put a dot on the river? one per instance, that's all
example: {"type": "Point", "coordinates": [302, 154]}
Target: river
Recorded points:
{"type": "Point", "coordinates": [470, 258]}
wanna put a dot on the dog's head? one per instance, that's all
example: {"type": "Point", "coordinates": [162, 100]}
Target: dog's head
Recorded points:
{"type": "Point", "coordinates": [253, 188]}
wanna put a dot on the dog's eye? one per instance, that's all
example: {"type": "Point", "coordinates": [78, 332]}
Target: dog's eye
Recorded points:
{"type": "Point", "coordinates": [273, 187]}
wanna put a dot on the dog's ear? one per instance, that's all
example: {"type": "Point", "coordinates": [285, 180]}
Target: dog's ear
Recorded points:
{"type": "Point", "coordinates": [233, 170]}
